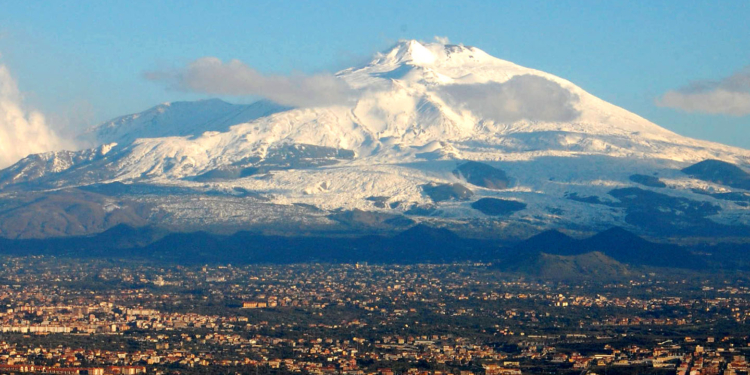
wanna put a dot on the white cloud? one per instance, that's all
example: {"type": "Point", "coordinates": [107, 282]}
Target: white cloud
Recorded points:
{"type": "Point", "coordinates": [22, 132]}
{"type": "Point", "coordinates": [729, 96]}
{"type": "Point", "coordinates": [442, 40]}
{"type": "Point", "coordinates": [717, 101]}
{"type": "Point", "coordinates": [527, 97]}
{"type": "Point", "coordinates": [212, 76]}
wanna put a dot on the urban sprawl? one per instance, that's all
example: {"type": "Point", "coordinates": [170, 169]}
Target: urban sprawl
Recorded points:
{"type": "Point", "coordinates": [73, 316]}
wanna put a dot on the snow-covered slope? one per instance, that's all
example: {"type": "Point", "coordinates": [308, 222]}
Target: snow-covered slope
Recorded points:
{"type": "Point", "coordinates": [420, 111]}
{"type": "Point", "coordinates": [177, 119]}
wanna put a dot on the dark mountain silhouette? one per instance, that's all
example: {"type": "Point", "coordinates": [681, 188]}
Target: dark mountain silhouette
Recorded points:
{"type": "Point", "coordinates": [616, 243]}
{"type": "Point", "coordinates": [418, 244]}
{"type": "Point", "coordinates": [551, 242]}
{"type": "Point", "coordinates": [628, 248]}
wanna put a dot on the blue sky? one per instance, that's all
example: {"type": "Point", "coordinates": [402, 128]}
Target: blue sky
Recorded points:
{"type": "Point", "coordinates": [83, 61]}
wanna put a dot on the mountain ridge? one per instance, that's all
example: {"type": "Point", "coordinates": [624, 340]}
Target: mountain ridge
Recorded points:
{"type": "Point", "coordinates": [423, 115]}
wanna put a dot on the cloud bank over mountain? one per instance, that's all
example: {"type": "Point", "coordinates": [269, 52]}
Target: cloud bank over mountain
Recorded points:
{"type": "Point", "coordinates": [728, 96]}
{"type": "Point", "coordinates": [527, 97]}
{"type": "Point", "coordinates": [210, 75]}
{"type": "Point", "coordinates": [22, 131]}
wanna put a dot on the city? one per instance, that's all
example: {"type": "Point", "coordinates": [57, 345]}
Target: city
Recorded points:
{"type": "Point", "coordinates": [116, 316]}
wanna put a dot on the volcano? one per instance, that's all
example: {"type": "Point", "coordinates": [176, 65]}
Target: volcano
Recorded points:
{"type": "Point", "coordinates": [429, 130]}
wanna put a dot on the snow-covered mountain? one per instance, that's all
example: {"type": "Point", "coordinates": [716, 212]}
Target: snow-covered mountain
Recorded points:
{"type": "Point", "coordinates": [545, 153]}
{"type": "Point", "coordinates": [177, 119]}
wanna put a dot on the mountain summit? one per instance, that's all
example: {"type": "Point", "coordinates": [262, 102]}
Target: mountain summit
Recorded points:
{"type": "Point", "coordinates": [393, 156]}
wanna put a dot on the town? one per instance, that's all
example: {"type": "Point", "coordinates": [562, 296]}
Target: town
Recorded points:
{"type": "Point", "coordinates": [96, 316]}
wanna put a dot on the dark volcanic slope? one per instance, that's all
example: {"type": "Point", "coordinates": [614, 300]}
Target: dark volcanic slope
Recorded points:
{"type": "Point", "coordinates": [645, 180]}
{"type": "Point", "coordinates": [567, 267]}
{"type": "Point", "coordinates": [483, 175]}
{"type": "Point", "coordinates": [720, 172]}
{"type": "Point", "coordinates": [446, 192]}
{"type": "Point", "coordinates": [66, 213]}
{"type": "Point", "coordinates": [497, 207]}
{"type": "Point", "coordinates": [665, 215]}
